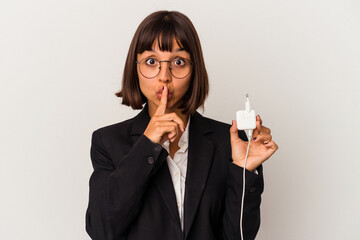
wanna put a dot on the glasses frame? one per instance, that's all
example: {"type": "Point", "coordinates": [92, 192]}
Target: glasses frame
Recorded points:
{"type": "Point", "coordinates": [191, 66]}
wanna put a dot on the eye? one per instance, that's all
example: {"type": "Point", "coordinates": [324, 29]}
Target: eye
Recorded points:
{"type": "Point", "coordinates": [179, 62]}
{"type": "Point", "coordinates": [150, 61]}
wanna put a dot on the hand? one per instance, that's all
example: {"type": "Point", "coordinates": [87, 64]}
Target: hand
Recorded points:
{"type": "Point", "coordinates": [260, 149]}
{"type": "Point", "coordinates": [164, 126]}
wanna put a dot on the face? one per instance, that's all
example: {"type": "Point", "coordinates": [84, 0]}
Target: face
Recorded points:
{"type": "Point", "coordinates": [152, 87]}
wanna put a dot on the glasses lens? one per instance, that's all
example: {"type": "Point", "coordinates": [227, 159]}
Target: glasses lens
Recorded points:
{"type": "Point", "coordinates": [179, 68]}
{"type": "Point", "coordinates": [149, 67]}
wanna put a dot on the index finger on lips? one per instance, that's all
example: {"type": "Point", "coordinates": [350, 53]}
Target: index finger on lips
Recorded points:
{"type": "Point", "coordinates": [163, 102]}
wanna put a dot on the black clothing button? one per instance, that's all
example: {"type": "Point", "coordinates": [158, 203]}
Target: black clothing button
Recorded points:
{"type": "Point", "coordinates": [252, 189]}
{"type": "Point", "coordinates": [150, 160]}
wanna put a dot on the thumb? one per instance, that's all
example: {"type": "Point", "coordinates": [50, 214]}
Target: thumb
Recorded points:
{"type": "Point", "coordinates": [234, 132]}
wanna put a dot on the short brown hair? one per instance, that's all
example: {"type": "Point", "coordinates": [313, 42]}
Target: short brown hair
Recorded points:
{"type": "Point", "coordinates": [164, 26]}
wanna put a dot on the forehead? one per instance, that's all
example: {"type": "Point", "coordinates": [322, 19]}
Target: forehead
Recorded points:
{"type": "Point", "coordinates": [159, 51]}
{"type": "Point", "coordinates": [172, 45]}
{"type": "Point", "coordinates": [163, 41]}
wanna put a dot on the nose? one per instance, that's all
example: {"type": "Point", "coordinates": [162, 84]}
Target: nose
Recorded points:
{"type": "Point", "coordinates": [165, 74]}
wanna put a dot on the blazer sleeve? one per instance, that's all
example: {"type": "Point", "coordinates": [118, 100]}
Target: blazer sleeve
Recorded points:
{"type": "Point", "coordinates": [116, 192]}
{"type": "Point", "coordinates": [253, 190]}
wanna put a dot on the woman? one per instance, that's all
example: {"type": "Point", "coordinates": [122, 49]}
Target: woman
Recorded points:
{"type": "Point", "coordinates": [170, 173]}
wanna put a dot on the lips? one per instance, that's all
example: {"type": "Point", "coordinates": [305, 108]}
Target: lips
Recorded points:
{"type": "Point", "coordinates": [158, 94]}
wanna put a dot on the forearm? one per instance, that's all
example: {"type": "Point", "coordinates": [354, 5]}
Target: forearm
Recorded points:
{"type": "Point", "coordinates": [252, 200]}
{"type": "Point", "coordinates": [116, 194]}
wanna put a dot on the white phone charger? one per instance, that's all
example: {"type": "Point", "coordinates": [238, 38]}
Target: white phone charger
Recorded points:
{"type": "Point", "coordinates": [245, 120]}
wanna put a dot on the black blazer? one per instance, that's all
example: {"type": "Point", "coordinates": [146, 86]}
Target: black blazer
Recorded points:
{"type": "Point", "coordinates": [132, 195]}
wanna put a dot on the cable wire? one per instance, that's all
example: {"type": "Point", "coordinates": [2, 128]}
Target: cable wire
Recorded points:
{"type": "Point", "coordinates": [243, 190]}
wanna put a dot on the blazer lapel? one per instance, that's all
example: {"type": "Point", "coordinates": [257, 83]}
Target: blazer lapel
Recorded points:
{"type": "Point", "coordinates": [140, 122]}
{"type": "Point", "coordinates": [200, 157]}
{"type": "Point", "coordinates": [164, 183]}
{"type": "Point", "coordinates": [163, 179]}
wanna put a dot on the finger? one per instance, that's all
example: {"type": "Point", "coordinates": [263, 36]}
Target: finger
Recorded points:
{"type": "Point", "coordinates": [257, 129]}
{"type": "Point", "coordinates": [163, 102]}
{"type": "Point", "coordinates": [234, 136]}
{"type": "Point", "coordinates": [167, 124]}
{"type": "Point", "coordinates": [265, 130]}
{"type": "Point", "coordinates": [264, 138]}
{"type": "Point", "coordinates": [171, 138]}
{"type": "Point", "coordinates": [173, 117]}
{"type": "Point", "coordinates": [260, 129]}
{"type": "Point", "coordinates": [174, 131]}
{"type": "Point", "coordinates": [258, 123]}
{"type": "Point", "coordinates": [170, 130]}
{"type": "Point", "coordinates": [272, 145]}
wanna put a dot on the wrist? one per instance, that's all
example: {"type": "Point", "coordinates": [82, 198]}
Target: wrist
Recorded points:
{"type": "Point", "coordinates": [248, 167]}
{"type": "Point", "coordinates": [152, 140]}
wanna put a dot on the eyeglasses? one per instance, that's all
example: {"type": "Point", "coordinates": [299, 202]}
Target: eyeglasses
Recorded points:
{"type": "Point", "coordinates": [179, 67]}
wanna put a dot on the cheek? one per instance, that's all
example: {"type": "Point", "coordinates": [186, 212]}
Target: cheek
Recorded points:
{"type": "Point", "coordinates": [148, 87]}
{"type": "Point", "coordinates": [142, 83]}
{"type": "Point", "coordinates": [185, 85]}
{"type": "Point", "coordinates": [144, 86]}
{"type": "Point", "coordinates": [180, 88]}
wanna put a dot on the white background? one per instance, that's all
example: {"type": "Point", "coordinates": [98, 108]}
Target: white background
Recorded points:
{"type": "Point", "coordinates": [61, 63]}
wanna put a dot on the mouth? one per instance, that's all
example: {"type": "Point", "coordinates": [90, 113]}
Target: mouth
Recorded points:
{"type": "Point", "coordinates": [158, 94]}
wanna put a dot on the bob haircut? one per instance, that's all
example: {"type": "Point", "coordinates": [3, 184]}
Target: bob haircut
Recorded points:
{"type": "Point", "coordinates": [164, 26]}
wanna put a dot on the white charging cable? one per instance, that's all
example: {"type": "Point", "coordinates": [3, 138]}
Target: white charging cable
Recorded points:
{"type": "Point", "coordinates": [250, 131]}
{"type": "Point", "coordinates": [246, 120]}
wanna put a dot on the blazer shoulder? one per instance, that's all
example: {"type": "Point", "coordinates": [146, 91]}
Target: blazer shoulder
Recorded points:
{"type": "Point", "coordinates": [216, 123]}
{"type": "Point", "coordinates": [222, 129]}
{"type": "Point", "coordinates": [216, 126]}
{"type": "Point", "coordinates": [119, 128]}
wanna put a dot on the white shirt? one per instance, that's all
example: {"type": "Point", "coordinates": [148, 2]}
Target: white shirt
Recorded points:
{"type": "Point", "coordinates": [178, 167]}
